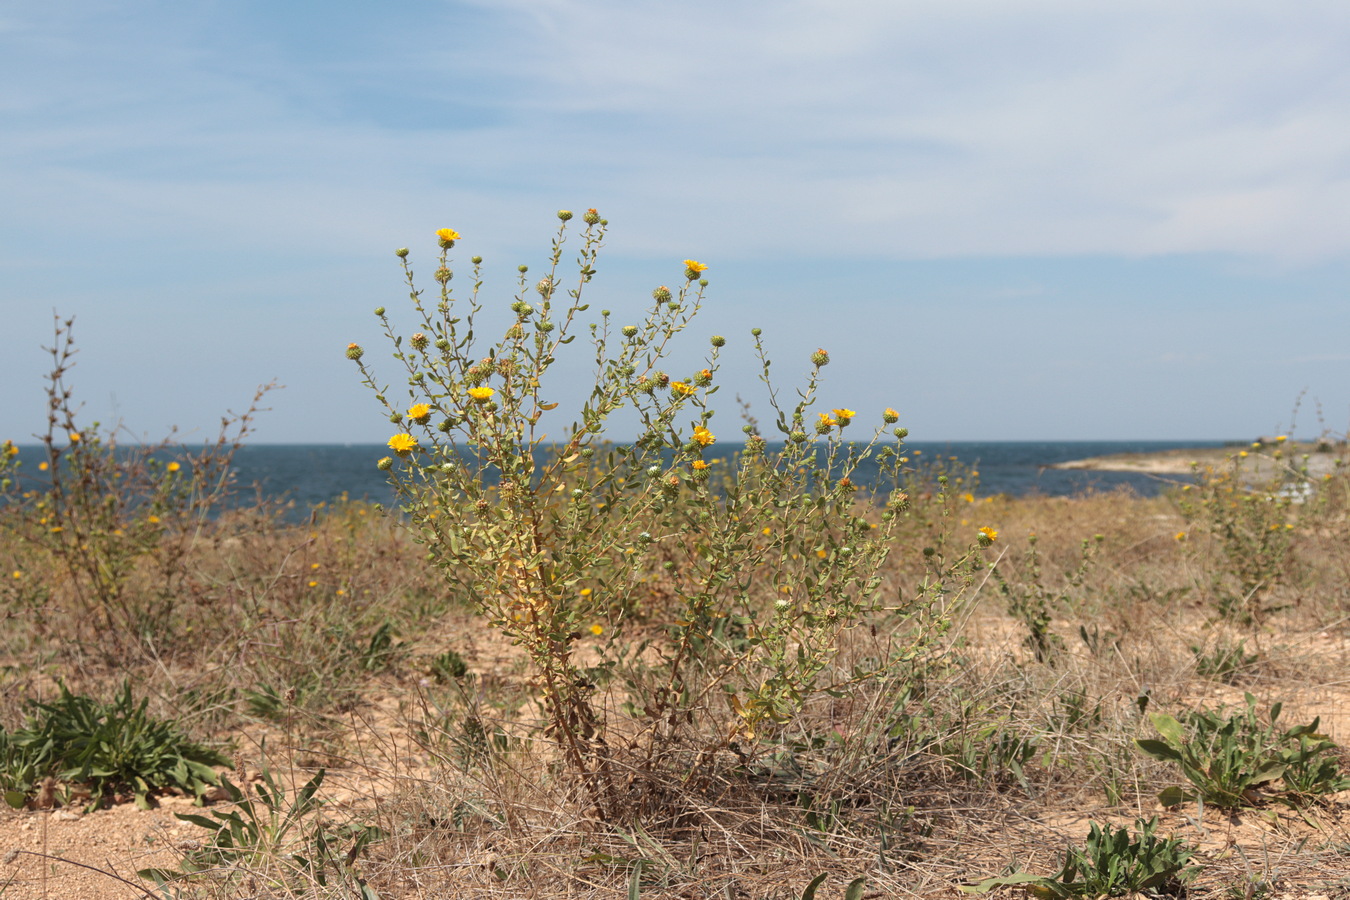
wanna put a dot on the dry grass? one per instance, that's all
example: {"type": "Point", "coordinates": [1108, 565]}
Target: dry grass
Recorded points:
{"type": "Point", "coordinates": [316, 645]}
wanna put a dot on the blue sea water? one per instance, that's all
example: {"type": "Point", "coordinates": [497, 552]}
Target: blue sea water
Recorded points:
{"type": "Point", "coordinates": [309, 474]}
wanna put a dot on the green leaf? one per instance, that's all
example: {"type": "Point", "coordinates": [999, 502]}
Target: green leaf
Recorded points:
{"type": "Point", "coordinates": [1169, 728]}
{"type": "Point", "coordinates": [810, 892]}
{"type": "Point", "coordinates": [16, 799]}
{"type": "Point", "coordinates": [1015, 879]}
{"type": "Point", "coordinates": [855, 888]}
{"type": "Point", "coordinates": [1158, 750]}
{"type": "Point", "coordinates": [1173, 796]}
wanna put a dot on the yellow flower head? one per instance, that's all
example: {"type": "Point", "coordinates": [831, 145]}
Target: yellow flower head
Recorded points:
{"type": "Point", "coordinates": [842, 414]}
{"type": "Point", "coordinates": [827, 420]}
{"type": "Point", "coordinates": [1281, 439]}
{"type": "Point", "coordinates": [890, 416]}
{"type": "Point", "coordinates": [700, 464]}
{"type": "Point", "coordinates": [419, 413]}
{"type": "Point", "coordinates": [481, 394]}
{"type": "Point", "coordinates": [42, 466]}
{"type": "Point", "coordinates": [10, 449]}
{"type": "Point", "coordinates": [173, 467]}
{"type": "Point", "coordinates": [447, 234]}
{"type": "Point", "coordinates": [585, 592]}
{"type": "Point", "coordinates": [74, 437]}
{"type": "Point", "coordinates": [695, 266]}
{"type": "Point", "coordinates": [681, 388]}
{"type": "Point", "coordinates": [987, 536]}
{"type": "Point", "coordinates": [703, 436]}
{"type": "Point", "coordinates": [403, 444]}
{"type": "Point", "coordinates": [1180, 536]}
{"type": "Point", "coordinates": [767, 530]}
{"type": "Point", "coordinates": [597, 629]}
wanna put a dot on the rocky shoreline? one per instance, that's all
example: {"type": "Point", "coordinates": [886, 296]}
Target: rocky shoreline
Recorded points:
{"type": "Point", "coordinates": [1263, 459]}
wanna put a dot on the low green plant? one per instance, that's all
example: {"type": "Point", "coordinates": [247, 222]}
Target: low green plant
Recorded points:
{"type": "Point", "coordinates": [105, 748]}
{"type": "Point", "coordinates": [1034, 603]}
{"type": "Point", "coordinates": [1251, 518]}
{"type": "Point", "coordinates": [1226, 661]}
{"type": "Point", "coordinates": [1227, 759]}
{"type": "Point", "coordinates": [283, 837]}
{"type": "Point", "coordinates": [1114, 862]}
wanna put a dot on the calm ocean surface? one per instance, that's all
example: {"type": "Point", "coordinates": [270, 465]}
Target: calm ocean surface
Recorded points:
{"type": "Point", "coordinates": [308, 474]}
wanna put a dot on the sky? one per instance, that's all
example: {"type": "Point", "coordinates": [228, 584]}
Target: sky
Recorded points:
{"type": "Point", "coordinates": [1021, 219]}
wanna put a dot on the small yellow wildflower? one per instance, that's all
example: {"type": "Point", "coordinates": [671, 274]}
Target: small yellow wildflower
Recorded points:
{"type": "Point", "coordinates": [890, 416]}
{"type": "Point", "coordinates": [42, 467]}
{"type": "Point", "coordinates": [10, 449]}
{"type": "Point", "coordinates": [597, 629]}
{"type": "Point", "coordinates": [682, 388]}
{"type": "Point", "coordinates": [827, 421]}
{"type": "Point", "coordinates": [843, 414]}
{"type": "Point", "coordinates": [419, 413]}
{"type": "Point", "coordinates": [821, 554]}
{"type": "Point", "coordinates": [694, 265]}
{"type": "Point", "coordinates": [988, 535]}
{"type": "Point", "coordinates": [481, 394]}
{"type": "Point", "coordinates": [700, 465]}
{"type": "Point", "coordinates": [57, 529]}
{"type": "Point", "coordinates": [1179, 536]}
{"type": "Point", "coordinates": [313, 584]}
{"type": "Point", "coordinates": [703, 436]}
{"type": "Point", "coordinates": [767, 530]}
{"type": "Point", "coordinates": [585, 592]}
{"type": "Point", "coordinates": [1281, 439]}
{"type": "Point", "coordinates": [173, 467]}
{"type": "Point", "coordinates": [1242, 454]}
{"type": "Point", "coordinates": [968, 497]}
{"type": "Point", "coordinates": [74, 437]}
{"type": "Point", "coordinates": [18, 574]}
{"type": "Point", "coordinates": [403, 444]}
{"type": "Point", "coordinates": [447, 234]}
{"type": "Point", "coordinates": [313, 565]}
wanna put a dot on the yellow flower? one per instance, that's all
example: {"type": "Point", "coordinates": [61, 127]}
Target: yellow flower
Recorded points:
{"type": "Point", "coordinates": [447, 234]}
{"type": "Point", "coordinates": [18, 574]}
{"type": "Point", "coordinates": [1179, 536]}
{"type": "Point", "coordinates": [842, 414]}
{"type": "Point", "coordinates": [74, 437]}
{"type": "Point", "coordinates": [988, 535]}
{"type": "Point", "coordinates": [821, 554]}
{"type": "Point", "coordinates": [827, 421]}
{"type": "Point", "coordinates": [42, 467]}
{"type": "Point", "coordinates": [1281, 439]}
{"type": "Point", "coordinates": [703, 436]}
{"type": "Point", "coordinates": [700, 464]}
{"type": "Point", "coordinates": [694, 265]}
{"type": "Point", "coordinates": [481, 394]}
{"type": "Point", "coordinates": [153, 520]}
{"type": "Point", "coordinates": [968, 497]}
{"type": "Point", "coordinates": [173, 467]}
{"type": "Point", "coordinates": [10, 449]}
{"type": "Point", "coordinates": [597, 629]}
{"type": "Point", "coordinates": [768, 531]}
{"type": "Point", "coordinates": [403, 444]}
{"type": "Point", "coordinates": [681, 388]}
{"type": "Point", "coordinates": [419, 413]}
{"type": "Point", "coordinates": [1242, 454]}
{"type": "Point", "coordinates": [313, 584]}
{"type": "Point", "coordinates": [585, 592]}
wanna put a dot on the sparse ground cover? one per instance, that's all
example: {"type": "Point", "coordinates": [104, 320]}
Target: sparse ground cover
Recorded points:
{"type": "Point", "coordinates": [582, 670]}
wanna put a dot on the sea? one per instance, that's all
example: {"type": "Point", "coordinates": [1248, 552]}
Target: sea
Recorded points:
{"type": "Point", "coordinates": [302, 476]}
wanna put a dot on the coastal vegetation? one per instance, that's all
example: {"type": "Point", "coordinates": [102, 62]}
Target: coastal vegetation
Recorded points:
{"type": "Point", "coordinates": [579, 667]}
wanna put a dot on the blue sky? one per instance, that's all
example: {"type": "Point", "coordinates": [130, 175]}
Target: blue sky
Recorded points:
{"type": "Point", "coordinates": [1008, 220]}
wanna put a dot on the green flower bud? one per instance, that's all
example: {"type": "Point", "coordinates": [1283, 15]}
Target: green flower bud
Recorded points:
{"type": "Point", "coordinates": [354, 351]}
{"type": "Point", "coordinates": [661, 294]}
{"type": "Point", "coordinates": [587, 452]}
{"type": "Point", "coordinates": [564, 214]}
{"type": "Point", "coordinates": [379, 311]}
{"type": "Point", "coordinates": [820, 358]}
{"type": "Point", "coordinates": [442, 344]}
{"type": "Point", "coordinates": [654, 471]}
{"type": "Point", "coordinates": [591, 217]}
{"type": "Point", "coordinates": [718, 341]}
{"type": "Point", "coordinates": [385, 464]}
{"type": "Point", "coordinates": [443, 275]}
{"type": "Point", "coordinates": [401, 252]}
{"type": "Point", "coordinates": [522, 269]}
{"type": "Point", "coordinates": [798, 437]}
{"type": "Point", "coordinates": [629, 331]}
{"type": "Point", "coordinates": [419, 341]}
{"type": "Point", "coordinates": [476, 260]}
{"type": "Point", "coordinates": [902, 433]}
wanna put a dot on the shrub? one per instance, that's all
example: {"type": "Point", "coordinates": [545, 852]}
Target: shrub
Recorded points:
{"type": "Point", "coordinates": [756, 568]}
